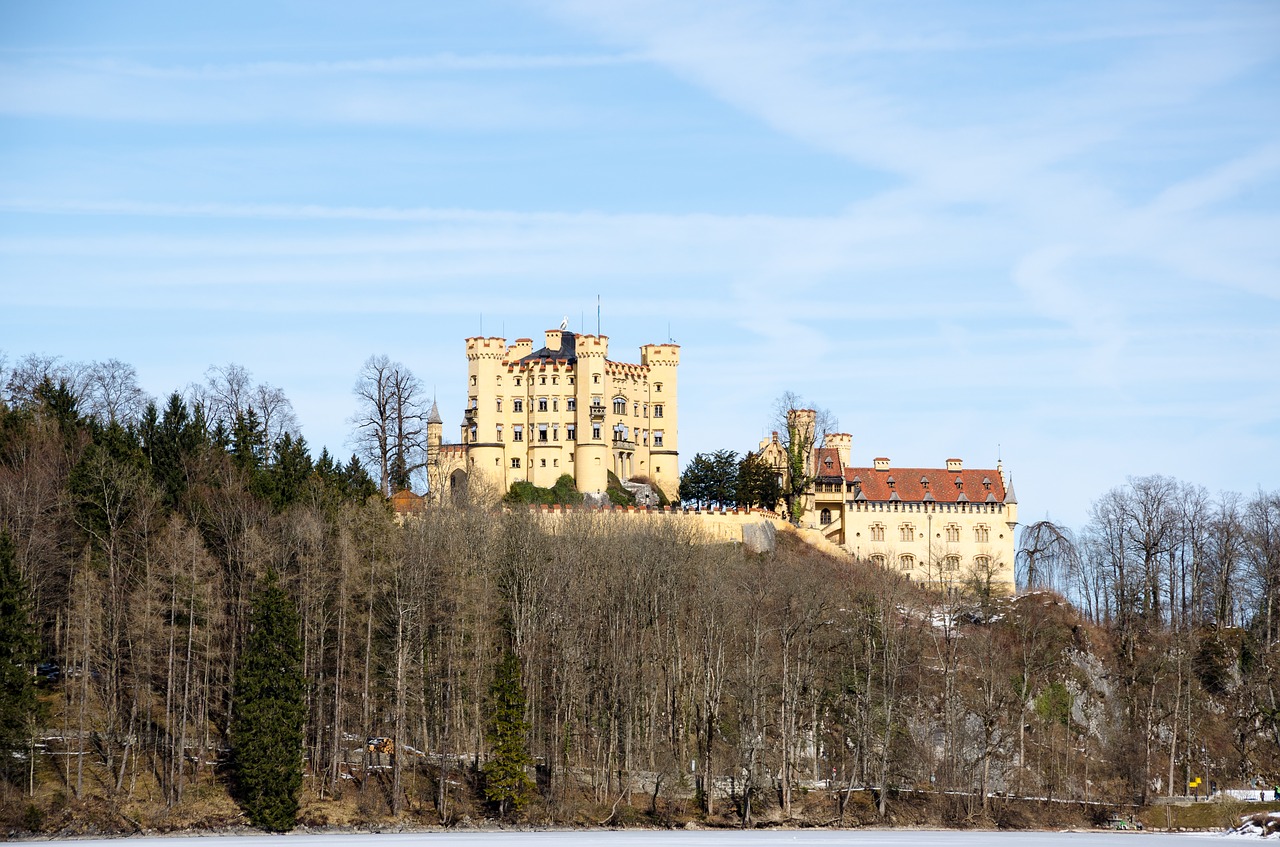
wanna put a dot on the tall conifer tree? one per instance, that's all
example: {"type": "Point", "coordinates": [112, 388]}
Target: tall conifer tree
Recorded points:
{"type": "Point", "coordinates": [18, 703]}
{"type": "Point", "coordinates": [506, 782]}
{"type": "Point", "coordinates": [268, 712]}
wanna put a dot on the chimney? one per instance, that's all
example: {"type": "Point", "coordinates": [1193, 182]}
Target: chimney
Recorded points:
{"type": "Point", "coordinates": [954, 465]}
{"type": "Point", "coordinates": [882, 463]}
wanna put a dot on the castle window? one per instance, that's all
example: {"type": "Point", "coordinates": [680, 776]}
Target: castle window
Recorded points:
{"type": "Point", "coordinates": [499, 404]}
{"type": "Point", "coordinates": [953, 532]}
{"type": "Point", "coordinates": [657, 387]}
{"type": "Point", "coordinates": [619, 405]}
{"type": "Point", "coordinates": [555, 380]}
{"type": "Point", "coordinates": [571, 380]}
{"type": "Point", "coordinates": [542, 380]}
{"type": "Point", "coordinates": [657, 438]}
{"type": "Point", "coordinates": [571, 404]}
{"type": "Point", "coordinates": [499, 438]}
{"type": "Point", "coordinates": [657, 410]}
{"type": "Point", "coordinates": [571, 433]}
{"type": "Point", "coordinates": [595, 432]}
{"type": "Point", "coordinates": [635, 409]}
{"type": "Point", "coordinates": [544, 462]}
{"type": "Point", "coordinates": [542, 432]}
{"type": "Point", "coordinates": [878, 560]}
{"type": "Point", "coordinates": [555, 463]}
{"type": "Point", "coordinates": [982, 564]}
{"type": "Point", "coordinates": [517, 433]}
{"type": "Point", "coordinates": [517, 380]}
{"type": "Point", "coordinates": [473, 379]}
{"type": "Point", "coordinates": [877, 532]}
{"type": "Point", "coordinates": [555, 404]}
{"type": "Point", "coordinates": [906, 562]}
{"type": "Point", "coordinates": [542, 404]}
{"type": "Point", "coordinates": [906, 532]}
{"type": "Point", "coordinates": [646, 410]}
{"type": "Point", "coordinates": [951, 563]}
{"type": "Point", "coordinates": [595, 379]}
{"type": "Point", "coordinates": [517, 404]}
{"type": "Point", "coordinates": [515, 463]}
{"type": "Point", "coordinates": [825, 517]}
{"type": "Point", "coordinates": [472, 433]}
{"type": "Point", "coordinates": [981, 534]}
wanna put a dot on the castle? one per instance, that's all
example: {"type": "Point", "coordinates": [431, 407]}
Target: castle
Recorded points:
{"type": "Point", "coordinates": [565, 408]}
{"type": "Point", "coordinates": [945, 525]}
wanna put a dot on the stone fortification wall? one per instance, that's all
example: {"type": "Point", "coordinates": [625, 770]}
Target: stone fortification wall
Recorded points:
{"type": "Point", "coordinates": [755, 528]}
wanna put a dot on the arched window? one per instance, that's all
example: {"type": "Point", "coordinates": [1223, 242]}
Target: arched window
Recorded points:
{"type": "Point", "coordinates": [877, 530]}
{"type": "Point", "coordinates": [951, 563]}
{"type": "Point", "coordinates": [825, 517]}
{"type": "Point", "coordinates": [982, 564]}
{"type": "Point", "coordinates": [619, 405]}
{"type": "Point", "coordinates": [906, 562]}
{"type": "Point", "coordinates": [953, 532]}
{"type": "Point", "coordinates": [877, 559]}
{"type": "Point", "coordinates": [981, 534]}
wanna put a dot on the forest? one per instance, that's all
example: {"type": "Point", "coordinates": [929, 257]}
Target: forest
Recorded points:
{"type": "Point", "coordinates": [475, 661]}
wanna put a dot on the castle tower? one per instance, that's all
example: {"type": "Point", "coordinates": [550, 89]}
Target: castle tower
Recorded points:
{"type": "Point", "coordinates": [435, 431]}
{"type": "Point", "coordinates": [663, 361]}
{"type": "Point", "coordinates": [485, 454]}
{"type": "Point", "coordinates": [591, 455]}
{"type": "Point", "coordinates": [842, 443]}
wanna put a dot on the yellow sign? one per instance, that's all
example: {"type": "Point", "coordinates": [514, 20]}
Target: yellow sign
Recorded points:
{"type": "Point", "coordinates": [1194, 783]}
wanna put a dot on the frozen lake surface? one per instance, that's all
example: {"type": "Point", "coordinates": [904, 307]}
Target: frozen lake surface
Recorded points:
{"type": "Point", "coordinates": [700, 838]}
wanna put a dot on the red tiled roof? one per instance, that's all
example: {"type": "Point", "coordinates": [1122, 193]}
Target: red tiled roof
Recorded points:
{"type": "Point", "coordinates": [910, 484]}
{"type": "Point", "coordinates": [826, 462]}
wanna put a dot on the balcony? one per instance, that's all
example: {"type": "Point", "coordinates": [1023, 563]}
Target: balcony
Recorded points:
{"type": "Point", "coordinates": [597, 411]}
{"type": "Point", "coordinates": [469, 414]}
{"type": "Point", "coordinates": [624, 444]}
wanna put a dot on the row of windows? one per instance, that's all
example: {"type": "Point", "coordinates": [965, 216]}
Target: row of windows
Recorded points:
{"type": "Point", "coordinates": [555, 463]}
{"type": "Point", "coordinates": [949, 564]}
{"type": "Point", "coordinates": [547, 433]}
{"type": "Point", "coordinates": [555, 380]}
{"type": "Point", "coordinates": [544, 404]}
{"type": "Point", "coordinates": [907, 532]}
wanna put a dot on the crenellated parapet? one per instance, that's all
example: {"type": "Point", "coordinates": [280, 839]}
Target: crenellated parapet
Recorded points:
{"type": "Point", "coordinates": [491, 347]}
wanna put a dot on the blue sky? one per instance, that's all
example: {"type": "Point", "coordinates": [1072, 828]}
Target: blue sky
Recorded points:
{"type": "Point", "coordinates": [1046, 230]}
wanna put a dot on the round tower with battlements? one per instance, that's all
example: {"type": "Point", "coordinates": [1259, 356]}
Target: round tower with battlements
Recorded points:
{"type": "Point", "coordinates": [663, 362]}
{"type": "Point", "coordinates": [485, 453]}
{"type": "Point", "coordinates": [591, 462]}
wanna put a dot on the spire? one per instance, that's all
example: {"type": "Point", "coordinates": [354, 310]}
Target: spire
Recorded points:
{"type": "Point", "coordinates": [433, 416]}
{"type": "Point", "coordinates": [1009, 496]}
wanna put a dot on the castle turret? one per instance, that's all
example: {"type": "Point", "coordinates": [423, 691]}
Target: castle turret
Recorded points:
{"type": "Point", "coordinates": [485, 453]}
{"type": "Point", "coordinates": [591, 455]}
{"type": "Point", "coordinates": [842, 442]}
{"type": "Point", "coordinates": [663, 361]}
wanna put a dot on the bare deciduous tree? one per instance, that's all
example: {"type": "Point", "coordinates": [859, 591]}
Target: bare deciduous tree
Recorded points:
{"type": "Point", "coordinates": [390, 427]}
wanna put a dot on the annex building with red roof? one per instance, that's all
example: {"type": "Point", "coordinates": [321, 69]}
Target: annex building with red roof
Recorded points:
{"type": "Point", "coordinates": [947, 524]}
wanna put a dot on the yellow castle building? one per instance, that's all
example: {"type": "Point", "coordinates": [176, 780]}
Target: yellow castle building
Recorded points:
{"type": "Point", "coordinates": [565, 408]}
{"type": "Point", "coordinates": [942, 524]}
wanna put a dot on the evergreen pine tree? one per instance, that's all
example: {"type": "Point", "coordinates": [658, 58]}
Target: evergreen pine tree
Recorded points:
{"type": "Point", "coordinates": [505, 781]}
{"type": "Point", "coordinates": [18, 702]}
{"type": "Point", "coordinates": [268, 712]}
